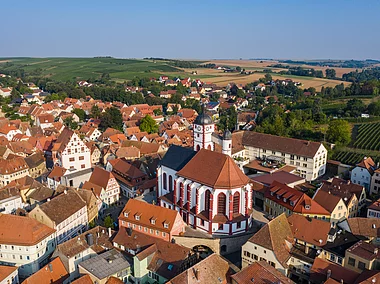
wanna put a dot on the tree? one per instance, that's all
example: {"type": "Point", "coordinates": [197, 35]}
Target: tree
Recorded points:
{"type": "Point", "coordinates": [113, 118]}
{"type": "Point", "coordinates": [238, 68]}
{"type": "Point", "coordinates": [374, 108]}
{"type": "Point", "coordinates": [148, 124]}
{"type": "Point", "coordinates": [268, 77]}
{"type": "Point", "coordinates": [70, 123]}
{"type": "Point", "coordinates": [108, 222]}
{"type": "Point", "coordinates": [95, 112]}
{"type": "Point", "coordinates": [355, 107]}
{"type": "Point", "coordinates": [80, 113]}
{"type": "Point", "coordinates": [157, 111]}
{"type": "Point", "coordinates": [339, 132]}
{"type": "Point", "coordinates": [330, 73]}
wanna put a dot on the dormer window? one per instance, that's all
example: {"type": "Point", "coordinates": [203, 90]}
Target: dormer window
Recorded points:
{"type": "Point", "coordinates": [291, 203]}
{"type": "Point", "coordinates": [137, 217]}
{"type": "Point", "coordinates": [307, 207]}
{"type": "Point", "coordinates": [278, 197]}
{"type": "Point", "coordinates": [272, 193]}
{"type": "Point", "coordinates": [153, 221]}
{"type": "Point", "coordinates": [285, 199]}
{"type": "Point", "coordinates": [166, 225]}
{"type": "Point", "coordinates": [126, 214]}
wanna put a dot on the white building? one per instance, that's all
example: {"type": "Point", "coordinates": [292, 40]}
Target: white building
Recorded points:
{"type": "Point", "coordinates": [10, 200]}
{"type": "Point", "coordinates": [25, 243]}
{"type": "Point", "coordinates": [363, 172]}
{"type": "Point", "coordinates": [8, 274]}
{"type": "Point", "coordinates": [9, 131]}
{"type": "Point", "coordinates": [66, 213]}
{"type": "Point", "coordinates": [12, 169]}
{"type": "Point", "coordinates": [70, 152]}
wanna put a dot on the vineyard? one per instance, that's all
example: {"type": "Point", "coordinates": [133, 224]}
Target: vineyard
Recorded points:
{"type": "Point", "coordinates": [368, 137]}
{"type": "Point", "coordinates": [352, 158]}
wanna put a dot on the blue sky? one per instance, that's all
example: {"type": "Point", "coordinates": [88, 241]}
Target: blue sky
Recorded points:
{"type": "Point", "coordinates": [302, 29]}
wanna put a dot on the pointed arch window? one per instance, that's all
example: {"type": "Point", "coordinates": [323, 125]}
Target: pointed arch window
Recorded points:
{"type": "Point", "coordinates": [222, 203]}
{"type": "Point", "coordinates": [165, 182]}
{"type": "Point", "coordinates": [170, 183]}
{"type": "Point", "coordinates": [236, 205]}
{"type": "Point", "coordinates": [207, 200]}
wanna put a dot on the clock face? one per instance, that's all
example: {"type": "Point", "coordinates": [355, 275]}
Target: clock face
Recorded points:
{"type": "Point", "coordinates": [207, 128]}
{"type": "Point", "coordinates": [198, 127]}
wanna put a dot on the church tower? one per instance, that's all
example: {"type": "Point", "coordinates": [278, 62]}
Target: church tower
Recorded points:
{"type": "Point", "coordinates": [227, 143]}
{"type": "Point", "coordinates": [203, 127]}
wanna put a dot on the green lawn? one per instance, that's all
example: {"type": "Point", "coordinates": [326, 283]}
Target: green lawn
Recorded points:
{"type": "Point", "coordinates": [63, 69]}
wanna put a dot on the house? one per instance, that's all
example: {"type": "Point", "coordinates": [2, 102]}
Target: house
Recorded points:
{"type": "Point", "coordinates": [375, 183]}
{"type": "Point", "coordinates": [12, 169]}
{"type": "Point", "coordinates": [8, 274]}
{"type": "Point", "coordinates": [261, 272]}
{"type": "Point", "coordinates": [9, 131]}
{"type": "Point", "coordinates": [5, 92]}
{"type": "Point", "coordinates": [154, 260]}
{"type": "Point", "coordinates": [172, 107]}
{"type": "Point", "coordinates": [155, 221]}
{"type": "Point", "coordinates": [36, 164]}
{"type": "Point", "coordinates": [212, 269]}
{"type": "Point", "coordinates": [84, 279]}
{"type": "Point", "coordinates": [10, 200]}
{"type": "Point", "coordinates": [25, 243]}
{"type": "Point", "coordinates": [53, 272]}
{"type": "Point", "coordinates": [83, 247]}
{"type": "Point", "coordinates": [334, 204]}
{"type": "Point", "coordinates": [367, 228]}
{"type": "Point", "coordinates": [70, 152]}
{"type": "Point", "coordinates": [66, 213]}
{"type": "Point", "coordinates": [95, 153]}
{"type": "Point", "coordinates": [323, 270]}
{"type": "Point", "coordinates": [362, 256]}
{"type": "Point", "coordinates": [128, 176]}
{"type": "Point", "coordinates": [90, 133]}
{"type": "Point", "coordinates": [373, 210]}
{"type": "Point", "coordinates": [55, 177]}
{"type": "Point", "coordinates": [363, 172]}
{"type": "Point", "coordinates": [45, 120]}
{"type": "Point", "coordinates": [280, 198]}
{"type": "Point", "coordinates": [308, 157]}
{"type": "Point", "coordinates": [103, 266]}
{"type": "Point", "coordinates": [128, 153]}
{"type": "Point", "coordinates": [104, 186]}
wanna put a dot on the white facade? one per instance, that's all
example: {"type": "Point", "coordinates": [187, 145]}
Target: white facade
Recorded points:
{"type": "Point", "coordinates": [227, 146]}
{"type": "Point", "coordinates": [29, 259]}
{"type": "Point", "coordinates": [11, 204]}
{"type": "Point", "coordinates": [362, 177]}
{"type": "Point", "coordinates": [11, 134]}
{"type": "Point", "coordinates": [7, 178]}
{"type": "Point", "coordinates": [76, 156]}
{"type": "Point", "coordinates": [375, 183]}
{"type": "Point", "coordinates": [203, 136]}
{"type": "Point", "coordinates": [74, 225]}
{"type": "Point", "coordinates": [94, 135]}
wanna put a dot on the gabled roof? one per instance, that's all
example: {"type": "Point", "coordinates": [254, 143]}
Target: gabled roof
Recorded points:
{"type": "Point", "coordinates": [24, 231]}
{"type": "Point", "coordinates": [222, 171]}
{"type": "Point", "coordinates": [327, 200]}
{"type": "Point", "coordinates": [63, 139]}
{"type": "Point", "coordinates": [5, 271]}
{"type": "Point", "coordinates": [148, 213]}
{"type": "Point", "coordinates": [85, 279]}
{"type": "Point", "coordinates": [262, 273]}
{"type": "Point", "coordinates": [53, 272]}
{"type": "Point", "coordinates": [101, 177]}
{"type": "Point", "coordinates": [366, 227]}
{"type": "Point", "coordinates": [212, 269]}
{"type": "Point", "coordinates": [281, 144]}
{"type": "Point", "coordinates": [11, 166]}
{"type": "Point", "coordinates": [275, 236]}
{"type": "Point", "coordinates": [367, 163]}
{"type": "Point", "coordinates": [177, 157]}
{"type": "Point", "coordinates": [321, 268]}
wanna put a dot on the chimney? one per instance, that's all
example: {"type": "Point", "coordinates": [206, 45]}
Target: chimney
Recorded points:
{"type": "Point", "coordinates": [328, 275]}
{"type": "Point", "coordinates": [48, 199]}
{"type": "Point", "coordinates": [109, 232]}
{"type": "Point", "coordinates": [65, 191]}
{"type": "Point", "coordinates": [50, 267]}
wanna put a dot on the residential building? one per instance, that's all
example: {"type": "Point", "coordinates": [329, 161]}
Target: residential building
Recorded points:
{"type": "Point", "coordinates": [363, 172]}
{"type": "Point", "coordinates": [334, 204]}
{"type": "Point", "coordinates": [83, 247]}
{"type": "Point", "coordinates": [12, 169]}
{"type": "Point", "coordinates": [367, 228]}
{"type": "Point", "coordinates": [308, 157]}
{"type": "Point", "coordinates": [9, 275]}
{"type": "Point", "coordinates": [280, 198]}
{"type": "Point", "coordinates": [155, 221]}
{"type": "Point", "coordinates": [212, 269]}
{"type": "Point", "coordinates": [324, 271]}
{"type": "Point", "coordinates": [25, 243]}
{"type": "Point", "coordinates": [362, 256]}
{"type": "Point", "coordinates": [373, 210]}
{"type": "Point", "coordinates": [104, 186]}
{"type": "Point", "coordinates": [66, 213]}
{"type": "Point", "coordinates": [70, 152]}
{"type": "Point", "coordinates": [153, 259]}
{"type": "Point", "coordinates": [261, 272]}
{"type": "Point", "coordinates": [9, 131]}
{"type": "Point", "coordinates": [95, 153]}
{"type": "Point", "coordinates": [127, 175]}
{"type": "Point", "coordinates": [375, 183]}
{"type": "Point", "coordinates": [53, 272]}
{"type": "Point", "coordinates": [55, 177]}
{"type": "Point", "coordinates": [103, 266]}
{"type": "Point", "coordinates": [10, 200]}
{"type": "Point", "coordinates": [45, 120]}
{"type": "Point", "coordinates": [37, 164]}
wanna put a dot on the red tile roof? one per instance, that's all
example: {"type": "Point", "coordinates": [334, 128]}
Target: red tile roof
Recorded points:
{"type": "Point", "coordinates": [54, 272]}
{"type": "Point", "coordinates": [5, 271]}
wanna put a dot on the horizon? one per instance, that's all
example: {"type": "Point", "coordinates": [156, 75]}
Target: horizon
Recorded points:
{"type": "Point", "coordinates": [295, 30]}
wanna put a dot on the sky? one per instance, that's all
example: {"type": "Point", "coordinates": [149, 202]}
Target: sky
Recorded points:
{"type": "Point", "coordinates": [207, 29]}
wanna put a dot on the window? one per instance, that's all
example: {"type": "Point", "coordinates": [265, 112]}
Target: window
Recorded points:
{"type": "Point", "coordinates": [170, 183]}
{"type": "Point", "coordinates": [361, 265]}
{"type": "Point", "coordinates": [207, 200]}
{"type": "Point", "coordinates": [164, 181]}
{"type": "Point", "coordinates": [220, 227]}
{"type": "Point", "coordinates": [83, 166]}
{"type": "Point", "coordinates": [72, 159]}
{"type": "Point", "coordinates": [351, 261]}
{"type": "Point", "coordinates": [291, 157]}
{"type": "Point", "coordinates": [255, 257]}
{"type": "Point", "coordinates": [238, 225]}
{"type": "Point", "coordinates": [81, 158]}
{"type": "Point", "coordinates": [222, 203]}
{"type": "Point", "coordinates": [236, 201]}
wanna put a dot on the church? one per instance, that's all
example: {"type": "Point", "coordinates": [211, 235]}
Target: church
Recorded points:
{"type": "Point", "coordinates": [206, 187]}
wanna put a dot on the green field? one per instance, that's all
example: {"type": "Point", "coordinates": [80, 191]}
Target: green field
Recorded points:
{"type": "Point", "coordinates": [352, 157]}
{"type": "Point", "coordinates": [63, 69]}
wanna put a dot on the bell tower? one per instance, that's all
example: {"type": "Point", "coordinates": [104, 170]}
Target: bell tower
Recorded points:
{"type": "Point", "coordinates": [203, 127]}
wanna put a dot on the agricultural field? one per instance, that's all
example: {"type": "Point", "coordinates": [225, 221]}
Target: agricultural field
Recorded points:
{"type": "Point", "coordinates": [351, 157]}
{"type": "Point", "coordinates": [367, 136]}
{"type": "Point", "coordinates": [84, 68]}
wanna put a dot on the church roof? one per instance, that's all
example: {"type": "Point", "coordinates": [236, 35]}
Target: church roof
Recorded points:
{"type": "Point", "coordinates": [177, 157]}
{"type": "Point", "coordinates": [203, 118]}
{"type": "Point", "coordinates": [214, 169]}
